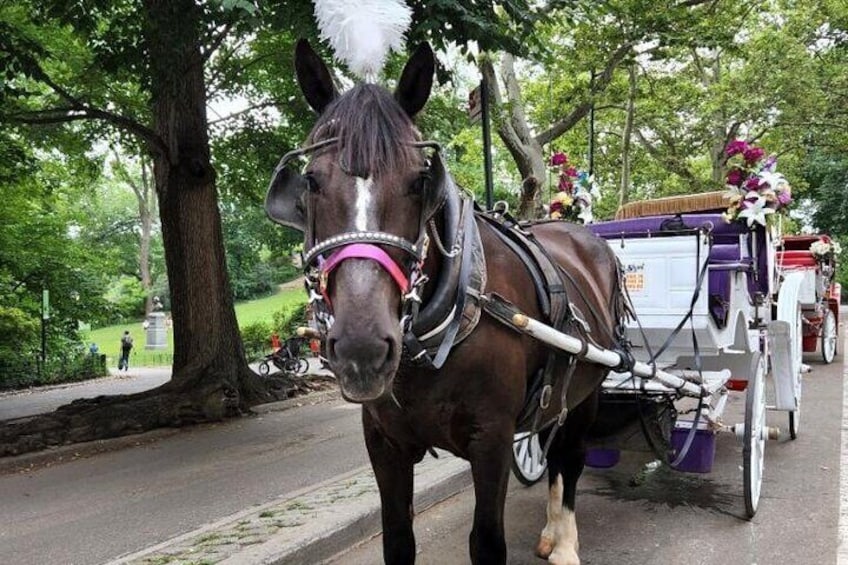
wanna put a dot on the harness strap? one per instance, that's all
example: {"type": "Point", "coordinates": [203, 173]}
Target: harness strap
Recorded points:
{"type": "Point", "coordinates": [367, 251]}
{"type": "Point", "coordinates": [461, 294]}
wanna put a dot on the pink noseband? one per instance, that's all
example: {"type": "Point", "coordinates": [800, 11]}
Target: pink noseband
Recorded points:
{"type": "Point", "coordinates": [366, 251]}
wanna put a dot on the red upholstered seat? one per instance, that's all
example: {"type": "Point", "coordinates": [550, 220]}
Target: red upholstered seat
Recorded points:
{"type": "Point", "coordinates": [795, 258]}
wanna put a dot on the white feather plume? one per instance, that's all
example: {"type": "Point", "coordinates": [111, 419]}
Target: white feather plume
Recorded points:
{"type": "Point", "coordinates": [362, 32]}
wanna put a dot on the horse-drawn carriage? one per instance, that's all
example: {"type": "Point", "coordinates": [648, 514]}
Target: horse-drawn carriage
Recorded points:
{"type": "Point", "coordinates": [813, 256]}
{"type": "Point", "coordinates": [450, 325]}
{"type": "Point", "coordinates": [723, 306]}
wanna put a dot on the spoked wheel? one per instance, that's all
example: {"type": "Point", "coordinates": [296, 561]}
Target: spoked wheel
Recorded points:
{"type": "Point", "coordinates": [797, 345]}
{"type": "Point", "coordinates": [302, 366]}
{"type": "Point", "coordinates": [754, 440]}
{"type": "Point", "coordinates": [264, 368]}
{"type": "Point", "coordinates": [528, 466]}
{"type": "Point", "coordinates": [828, 336]}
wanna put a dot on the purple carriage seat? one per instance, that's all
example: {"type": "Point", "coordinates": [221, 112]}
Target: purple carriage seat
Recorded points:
{"type": "Point", "coordinates": [726, 253]}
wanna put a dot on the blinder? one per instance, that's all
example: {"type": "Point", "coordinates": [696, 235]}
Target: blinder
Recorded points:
{"type": "Point", "coordinates": [284, 200]}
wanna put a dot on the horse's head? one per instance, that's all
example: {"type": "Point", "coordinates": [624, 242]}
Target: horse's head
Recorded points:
{"type": "Point", "coordinates": [362, 202]}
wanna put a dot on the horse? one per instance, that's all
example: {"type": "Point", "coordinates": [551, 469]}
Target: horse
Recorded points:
{"type": "Point", "coordinates": [403, 276]}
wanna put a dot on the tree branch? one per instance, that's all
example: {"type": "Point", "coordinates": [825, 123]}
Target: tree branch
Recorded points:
{"type": "Point", "coordinates": [602, 81]}
{"type": "Point", "coordinates": [78, 110]}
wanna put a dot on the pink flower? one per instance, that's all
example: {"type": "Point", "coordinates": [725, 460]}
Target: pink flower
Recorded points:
{"type": "Point", "coordinates": [734, 177]}
{"type": "Point", "coordinates": [752, 183]}
{"type": "Point", "coordinates": [559, 158]}
{"type": "Point", "coordinates": [735, 147]}
{"type": "Point", "coordinates": [752, 155]}
{"type": "Point", "coordinates": [784, 197]}
{"type": "Point", "coordinates": [556, 206]}
{"type": "Point", "coordinates": [572, 172]}
{"type": "Point", "coordinates": [565, 184]}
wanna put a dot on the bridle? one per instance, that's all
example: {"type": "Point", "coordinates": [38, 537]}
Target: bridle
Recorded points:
{"type": "Point", "coordinates": [322, 258]}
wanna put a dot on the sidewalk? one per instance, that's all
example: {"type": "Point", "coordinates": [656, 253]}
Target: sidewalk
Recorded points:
{"type": "Point", "coordinates": [309, 526]}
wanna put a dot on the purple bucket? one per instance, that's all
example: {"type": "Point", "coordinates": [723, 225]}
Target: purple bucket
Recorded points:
{"type": "Point", "coordinates": [701, 453]}
{"type": "Point", "coordinates": [602, 458]}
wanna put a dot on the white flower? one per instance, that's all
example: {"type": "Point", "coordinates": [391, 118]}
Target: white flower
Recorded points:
{"type": "Point", "coordinates": [774, 180]}
{"type": "Point", "coordinates": [585, 214]}
{"type": "Point", "coordinates": [756, 212]}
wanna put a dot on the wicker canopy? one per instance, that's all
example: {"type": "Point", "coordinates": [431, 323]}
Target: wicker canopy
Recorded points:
{"type": "Point", "coordinates": [684, 204]}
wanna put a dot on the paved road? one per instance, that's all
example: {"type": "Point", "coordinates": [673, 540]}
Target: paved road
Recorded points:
{"type": "Point", "coordinates": [39, 400]}
{"type": "Point", "coordinates": [679, 518]}
{"type": "Point", "coordinates": [46, 399]}
{"type": "Point", "coordinates": [91, 510]}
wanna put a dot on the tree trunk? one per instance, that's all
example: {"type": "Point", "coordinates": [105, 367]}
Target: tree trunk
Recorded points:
{"type": "Point", "coordinates": [626, 138]}
{"type": "Point", "coordinates": [211, 379]}
{"type": "Point", "coordinates": [145, 214]}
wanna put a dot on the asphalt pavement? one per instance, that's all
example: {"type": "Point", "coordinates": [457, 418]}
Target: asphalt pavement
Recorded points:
{"type": "Point", "coordinates": [291, 484]}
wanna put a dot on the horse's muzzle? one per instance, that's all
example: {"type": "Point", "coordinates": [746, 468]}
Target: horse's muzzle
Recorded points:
{"type": "Point", "coordinates": [365, 367]}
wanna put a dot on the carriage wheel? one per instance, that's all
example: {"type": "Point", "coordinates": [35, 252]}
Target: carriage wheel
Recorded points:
{"type": "Point", "coordinates": [264, 368]}
{"type": "Point", "coordinates": [302, 366]}
{"type": "Point", "coordinates": [528, 466]}
{"type": "Point", "coordinates": [754, 443]}
{"type": "Point", "coordinates": [797, 333]}
{"type": "Point", "coordinates": [828, 336]}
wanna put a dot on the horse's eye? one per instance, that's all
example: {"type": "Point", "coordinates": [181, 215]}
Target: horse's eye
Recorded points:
{"type": "Point", "coordinates": [419, 185]}
{"type": "Point", "coordinates": [311, 183]}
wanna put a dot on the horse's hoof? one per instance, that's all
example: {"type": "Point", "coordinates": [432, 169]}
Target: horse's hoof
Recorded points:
{"type": "Point", "coordinates": [544, 547]}
{"type": "Point", "coordinates": [564, 558]}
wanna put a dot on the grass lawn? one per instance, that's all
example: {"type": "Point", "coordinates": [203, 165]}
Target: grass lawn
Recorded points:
{"type": "Point", "coordinates": [108, 338]}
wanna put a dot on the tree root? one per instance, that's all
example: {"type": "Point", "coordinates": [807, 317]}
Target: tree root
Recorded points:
{"type": "Point", "coordinates": [206, 398]}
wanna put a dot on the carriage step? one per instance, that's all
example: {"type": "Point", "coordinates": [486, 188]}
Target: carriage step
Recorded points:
{"type": "Point", "coordinates": [627, 382]}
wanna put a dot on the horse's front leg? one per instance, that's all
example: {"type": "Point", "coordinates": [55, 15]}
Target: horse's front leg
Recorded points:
{"type": "Point", "coordinates": [393, 469]}
{"type": "Point", "coordinates": [559, 543]}
{"type": "Point", "coordinates": [490, 462]}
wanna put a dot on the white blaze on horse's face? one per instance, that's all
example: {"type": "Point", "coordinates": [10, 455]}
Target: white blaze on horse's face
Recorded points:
{"type": "Point", "coordinates": [363, 202]}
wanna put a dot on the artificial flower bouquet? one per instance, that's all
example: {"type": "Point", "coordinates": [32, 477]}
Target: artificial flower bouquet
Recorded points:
{"type": "Point", "coordinates": [576, 191]}
{"type": "Point", "coordinates": [825, 251]}
{"type": "Point", "coordinates": [755, 189]}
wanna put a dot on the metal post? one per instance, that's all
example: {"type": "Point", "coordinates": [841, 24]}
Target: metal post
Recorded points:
{"type": "Point", "coordinates": [45, 314]}
{"type": "Point", "coordinates": [487, 142]}
{"type": "Point", "coordinates": [592, 122]}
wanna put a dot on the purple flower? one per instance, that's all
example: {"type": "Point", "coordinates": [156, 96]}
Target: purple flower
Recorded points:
{"type": "Point", "coordinates": [735, 147]}
{"type": "Point", "coordinates": [734, 177]}
{"type": "Point", "coordinates": [572, 172]}
{"type": "Point", "coordinates": [752, 155]}
{"type": "Point", "coordinates": [565, 184]}
{"type": "Point", "coordinates": [770, 163]}
{"type": "Point", "coordinates": [556, 206]}
{"type": "Point", "coordinates": [784, 197]}
{"type": "Point", "coordinates": [559, 158]}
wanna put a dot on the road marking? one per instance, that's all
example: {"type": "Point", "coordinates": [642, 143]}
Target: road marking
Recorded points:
{"type": "Point", "coordinates": [842, 552]}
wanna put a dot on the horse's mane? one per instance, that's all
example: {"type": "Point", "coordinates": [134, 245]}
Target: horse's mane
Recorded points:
{"type": "Point", "coordinates": [374, 131]}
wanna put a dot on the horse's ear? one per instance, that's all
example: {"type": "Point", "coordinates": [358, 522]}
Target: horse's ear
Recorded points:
{"type": "Point", "coordinates": [314, 78]}
{"type": "Point", "coordinates": [284, 201]}
{"type": "Point", "coordinates": [415, 82]}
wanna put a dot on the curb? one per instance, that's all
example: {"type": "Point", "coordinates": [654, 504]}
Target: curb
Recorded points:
{"type": "Point", "coordinates": [308, 526]}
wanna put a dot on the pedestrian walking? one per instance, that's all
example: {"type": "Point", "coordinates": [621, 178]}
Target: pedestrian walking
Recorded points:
{"type": "Point", "coordinates": [126, 347]}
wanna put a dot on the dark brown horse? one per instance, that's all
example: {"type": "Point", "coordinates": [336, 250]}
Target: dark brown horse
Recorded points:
{"type": "Point", "coordinates": [381, 217]}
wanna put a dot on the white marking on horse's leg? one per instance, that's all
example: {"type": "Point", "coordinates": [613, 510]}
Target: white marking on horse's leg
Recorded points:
{"type": "Point", "coordinates": [547, 540]}
{"type": "Point", "coordinates": [565, 552]}
{"type": "Point", "coordinates": [363, 202]}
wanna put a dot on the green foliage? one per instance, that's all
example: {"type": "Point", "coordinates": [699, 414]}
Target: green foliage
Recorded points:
{"type": "Point", "coordinates": [287, 320]}
{"type": "Point", "coordinates": [256, 338]}
{"type": "Point", "coordinates": [125, 297]}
